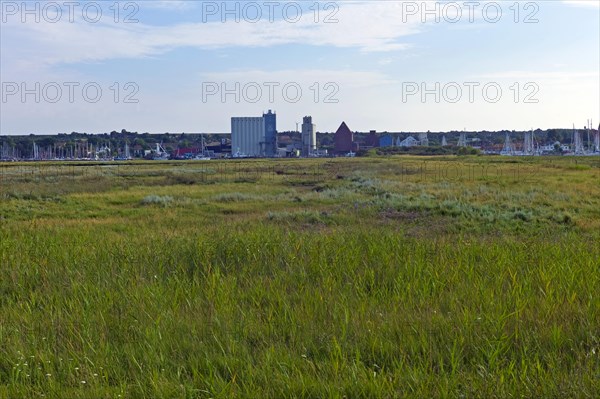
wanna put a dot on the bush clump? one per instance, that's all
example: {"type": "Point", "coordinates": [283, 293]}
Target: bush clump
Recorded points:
{"type": "Point", "coordinates": [157, 200]}
{"type": "Point", "coordinates": [301, 217]}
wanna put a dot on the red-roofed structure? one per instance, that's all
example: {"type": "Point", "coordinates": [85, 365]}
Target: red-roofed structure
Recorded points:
{"type": "Point", "coordinates": [343, 140]}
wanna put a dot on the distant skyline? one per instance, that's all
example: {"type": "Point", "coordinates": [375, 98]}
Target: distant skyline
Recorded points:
{"type": "Point", "coordinates": [362, 62]}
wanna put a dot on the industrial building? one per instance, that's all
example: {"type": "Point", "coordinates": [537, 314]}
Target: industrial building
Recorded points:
{"type": "Point", "coordinates": [270, 143]}
{"type": "Point", "coordinates": [254, 136]}
{"type": "Point", "coordinates": [309, 137]}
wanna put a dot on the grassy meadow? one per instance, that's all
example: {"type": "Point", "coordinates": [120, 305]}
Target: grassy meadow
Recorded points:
{"type": "Point", "coordinates": [397, 277]}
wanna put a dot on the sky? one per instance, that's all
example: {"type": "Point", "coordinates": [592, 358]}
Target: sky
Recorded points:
{"type": "Point", "coordinates": [189, 66]}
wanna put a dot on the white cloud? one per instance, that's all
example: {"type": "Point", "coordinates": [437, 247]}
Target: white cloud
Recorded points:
{"type": "Point", "coordinates": [370, 27]}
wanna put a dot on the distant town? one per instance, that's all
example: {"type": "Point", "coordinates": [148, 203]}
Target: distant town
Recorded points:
{"type": "Point", "coordinates": [258, 137]}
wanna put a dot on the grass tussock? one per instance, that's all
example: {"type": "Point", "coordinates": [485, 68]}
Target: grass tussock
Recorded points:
{"type": "Point", "coordinates": [301, 217]}
{"type": "Point", "coordinates": [234, 197]}
{"type": "Point", "coordinates": [163, 201]}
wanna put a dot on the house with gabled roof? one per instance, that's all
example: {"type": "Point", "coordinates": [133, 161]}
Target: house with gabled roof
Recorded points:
{"type": "Point", "coordinates": [410, 141]}
{"type": "Point", "coordinates": [343, 140]}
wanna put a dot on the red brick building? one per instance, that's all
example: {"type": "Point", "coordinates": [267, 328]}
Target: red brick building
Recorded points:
{"type": "Point", "coordinates": [343, 140]}
{"type": "Point", "coordinates": [372, 140]}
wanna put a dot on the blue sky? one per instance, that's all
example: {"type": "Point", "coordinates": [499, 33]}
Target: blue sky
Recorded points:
{"type": "Point", "coordinates": [368, 65]}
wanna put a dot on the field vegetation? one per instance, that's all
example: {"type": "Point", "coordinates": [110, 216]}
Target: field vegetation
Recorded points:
{"type": "Point", "coordinates": [442, 277]}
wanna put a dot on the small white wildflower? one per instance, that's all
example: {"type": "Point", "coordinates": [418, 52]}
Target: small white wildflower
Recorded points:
{"type": "Point", "coordinates": [95, 375]}
{"type": "Point", "coordinates": [83, 382]}
{"type": "Point", "coordinates": [48, 375]}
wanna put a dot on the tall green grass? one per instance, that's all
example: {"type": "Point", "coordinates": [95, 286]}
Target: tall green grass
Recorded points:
{"type": "Point", "coordinates": [361, 285]}
{"type": "Point", "coordinates": [268, 311]}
